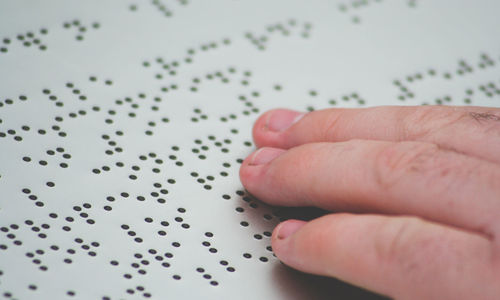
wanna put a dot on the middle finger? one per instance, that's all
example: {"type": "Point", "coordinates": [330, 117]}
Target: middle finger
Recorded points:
{"type": "Point", "coordinates": [379, 177]}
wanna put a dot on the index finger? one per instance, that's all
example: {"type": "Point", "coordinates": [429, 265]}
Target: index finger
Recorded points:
{"type": "Point", "coordinates": [473, 131]}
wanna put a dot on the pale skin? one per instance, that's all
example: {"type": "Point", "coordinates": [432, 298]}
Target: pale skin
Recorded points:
{"type": "Point", "coordinates": [415, 190]}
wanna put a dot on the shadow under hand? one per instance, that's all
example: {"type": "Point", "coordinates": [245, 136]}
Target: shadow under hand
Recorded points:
{"type": "Point", "coordinates": [297, 285]}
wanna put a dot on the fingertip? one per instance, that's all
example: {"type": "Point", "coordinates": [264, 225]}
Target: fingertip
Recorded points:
{"type": "Point", "coordinates": [253, 167]}
{"type": "Point", "coordinates": [282, 240]}
{"type": "Point", "coordinates": [287, 228]}
{"type": "Point", "coordinates": [269, 129]}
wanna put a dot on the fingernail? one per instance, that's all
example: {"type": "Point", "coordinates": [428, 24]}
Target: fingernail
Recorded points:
{"type": "Point", "coordinates": [281, 120]}
{"type": "Point", "coordinates": [265, 155]}
{"type": "Point", "coordinates": [288, 228]}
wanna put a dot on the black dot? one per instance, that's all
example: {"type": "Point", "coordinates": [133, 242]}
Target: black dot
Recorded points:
{"type": "Point", "coordinates": [224, 263]}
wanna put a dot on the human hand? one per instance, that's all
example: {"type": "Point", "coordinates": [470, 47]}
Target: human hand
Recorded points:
{"type": "Point", "coordinates": [418, 188]}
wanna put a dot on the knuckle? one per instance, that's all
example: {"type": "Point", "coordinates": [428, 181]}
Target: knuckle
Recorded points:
{"type": "Point", "coordinates": [331, 126]}
{"type": "Point", "coordinates": [399, 243]}
{"type": "Point", "coordinates": [426, 120]}
{"type": "Point", "coordinates": [487, 122]}
{"type": "Point", "coordinates": [395, 162]}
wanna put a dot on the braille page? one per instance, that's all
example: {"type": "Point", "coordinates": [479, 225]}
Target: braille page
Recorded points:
{"type": "Point", "coordinates": [123, 125]}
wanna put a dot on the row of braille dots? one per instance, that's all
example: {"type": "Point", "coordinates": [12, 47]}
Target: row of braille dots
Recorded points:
{"type": "Point", "coordinates": [11, 236]}
{"type": "Point", "coordinates": [39, 252]}
{"type": "Point", "coordinates": [214, 250]}
{"type": "Point", "coordinates": [28, 39]}
{"type": "Point", "coordinates": [155, 194]}
{"type": "Point", "coordinates": [162, 8]}
{"type": "Point", "coordinates": [464, 68]}
{"type": "Point", "coordinates": [140, 290]}
{"type": "Point", "coordinates": [489, 89]}
{"type": "Point", "coordinates": [142, 198]}
{"type": "Point", "coordinates": [36, 258]}
{"type": "Point", "coordinates": [354, 6]}
{"type": "Point", "coordinates": [207, 276]}
{"type": "Point", "coordinates": [39, 230]}
{"type": "Point", "coordinates": [246, 112]}
{"type": "Point", "coordinates": [141, 261]}
{"type": "Point", "coordinates": [132, 114]}
{"type": "Point", "coordinates": [158, 161]}
{"type": "Point", "coordinates": [84, 215]}
{"type": "Point", "coordinates": [14, 133]}
{"type": "Point", "coordinates": [160, 232]}
{"type": "Point", "coordinates": [210, 178]}
{"type": "Point", "coordinates": [171, 68]}
{"type": "Point", "coordinates": [33, 287]}
{"type": "Point", "coordinates": [223, 77]}
{"type": "Point", "coordinates": [141, 264]}
{"type": "Point", "coordinates": [80, 28]}
{"type": "Point", "coordinates": [354, 96]}
{"type": "Point", "coordinates": [10, 101]}
{"type": "Point", "coordinates": [83, 212]}
{"type": "Point", "coordinates": [113, 144]}
{"type": "Point", "coordinates": [10, 295]}
{"type": "Point", "coordinates": [200, 146]}
{"type": "Point", "coordinates": [222, 144]}
{"type": "Point", "coordinates": [447, 99]}
{"type": "Point", "coordinates": [59, 103]}
{"type": "Point", "coordinates": [283, 28]}
{"type": "Point", "coordinates": [33, 197]}
{"type": "Point", "coordinates": [116, 148]}
{"type": "Point", "coordinates": [253, 203]}
{"type": "Point", "coordinates": [52, 153]}
{"type": "Point", "coordinates": [135, 105]}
